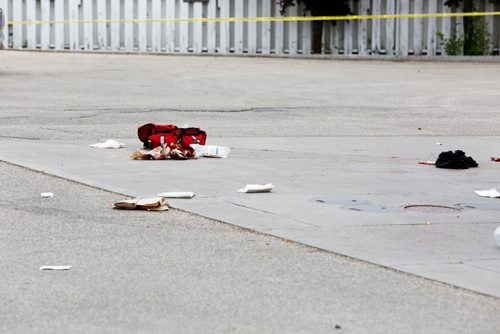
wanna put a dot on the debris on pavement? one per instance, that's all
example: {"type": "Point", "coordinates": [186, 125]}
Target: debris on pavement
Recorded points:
{"type": "Point", "coordinates": [211, 151]}
{"type": "Point", "coordinates": [55, 267]}
{"type": "Point", "coordinates": [47, 195]}
{"type": "Point", "coordinates": [432, 163]}
{"type": "Point", "coordinates": [495, 159]}
{"type": "Point", "coordinates": [491, 193]}
{"type": "Point", "coordinates": [155, 135]}
{"type": "Point", "coordinates": [177, 151]}
{"type": "Point", "coordinates": [108, 144]}
{"type": "Point", "coordinates": [455, 160]}
{"type": "Point", "coordinates": [439, 144]}
{"type": "Point", "coordinates": [497, 236]}
{"type": "Point", "coordinates": [257, 188]}
{"type": "Point", "coordinates": [179, 194]}
{"type": "Point", "coordinates": [148, 204]}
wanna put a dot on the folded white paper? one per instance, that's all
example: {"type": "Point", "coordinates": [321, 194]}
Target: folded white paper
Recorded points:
{"type": "Point", "coordinates": [257, 188]}
{"type": "Point", "coordinates": [47, 195]}
{"type": "Point", "coordinates": [179, 194]}
{"type": "Point", "coordinates": [492, 193]}
{"type": "Point", "coordinates": [211, 151]}
{"type": "Point", "coordinates": [55, 267]}
{"type": "Point", "coordinates": [108, 144]}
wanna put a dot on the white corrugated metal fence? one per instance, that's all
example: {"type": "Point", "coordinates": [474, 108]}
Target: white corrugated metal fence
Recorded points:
{"type": "Point", "coordinates": [397, 37]}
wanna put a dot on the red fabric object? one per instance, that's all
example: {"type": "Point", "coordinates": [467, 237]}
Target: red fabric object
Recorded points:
{"type": "Point", "coordinates": [154, 135]}
{"type": "Point", "coordinates": [495, 159]}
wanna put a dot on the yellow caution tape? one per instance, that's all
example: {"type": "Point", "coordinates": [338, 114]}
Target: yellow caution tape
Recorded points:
{"type": "Point", "coordinates": [265, 19]}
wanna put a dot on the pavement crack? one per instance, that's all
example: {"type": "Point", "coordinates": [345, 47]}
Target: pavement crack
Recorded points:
{"type": "Point", "coordinates": [271, 213]}
{"type": "Point", "coordinates": [99, 111]}
{"type": "Point", "coordinates": [18, 137]}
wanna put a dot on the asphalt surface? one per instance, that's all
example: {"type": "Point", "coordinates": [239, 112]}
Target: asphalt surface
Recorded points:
{"type": "Point", "coordinates": [77, 96]}
{"type": "Point", "coordinates": [178, 272]}
{"type": "Point", "coordinates": [175, 272]}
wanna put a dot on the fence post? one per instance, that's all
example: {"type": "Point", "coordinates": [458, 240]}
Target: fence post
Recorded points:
{"type": "Point", "coordinates": [183, 26]}
{"type": "Point", "coordinates": [211, 42]}
{"type": "Point", "coordinates": [59, 27]}
{"type": "Point", "coordinates": [252, 28]}
{"type": "Point", "coordinates": [102, 35]}
{"type": "Point", "coordinates": [418, 28]}
{"type": "Point", "coordinates": [490, 7]}
{"type": "Point", "coordinates": [306, 36]}
{"type": "Point", "coordinates": [115, 26]}
{"type": "Point", "coordinates": [279, 32]}
{"type": "Point", "coordinates": [292, 31]}
{"type": "Point", "coordinates": [266, 27]}
{"type": "Point", "coordinates": [17, 30]}
{"type": "Point", "coordinates": [142, 27]}
{"type": "Point", "coordinates": [375, 47]}
{"type": "Point", "coordinates": [225, 35]}
{"type": "Point", "coordinates": [238, 27]}
{"type": "Point", "coordinates": [364, 6]}
{"type": "Point", "coordinates": [88, 35]}
{"type": "Point", "coordinates": [4, 4]}
{"type": "Point", "coordinates": [30, 28]}
{"type": "Point", "coordinates": [389, 28]}
{"type": "Point", "coordinates": [197, 27]}
{"type": "Point", "coordinates": [45, 28]}
{"type": "Point", "coordinates": [404, 8]}
{"type": "Point", "coordinates": [431, 29]}
{"type": "Point", "coordinates": [170, 26]}
{"type": "Point", "coordinates": [446, 28]}
{"type": "Point", "coordinates": [156, 26]}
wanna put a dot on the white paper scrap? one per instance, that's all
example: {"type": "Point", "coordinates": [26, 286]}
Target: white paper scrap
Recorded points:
{"type": "Point", "coordinates": [211, 151]}
{"type": "Point", "coordinates": [257, 188]}
{"type": "Point", "coordinates": [179, 194]}
{"type": "Point", "coordinates": [492, 193]}
{"type": "Point", "coordinates": [108, 144]}
{"type": "Point", "coordinates": [47, 195]}
{"type": "Point", "coordinates": [55, 267]}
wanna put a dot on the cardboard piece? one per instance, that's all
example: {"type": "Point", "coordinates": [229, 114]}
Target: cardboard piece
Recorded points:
{"type": "Point", "coordinates": [148, 204]}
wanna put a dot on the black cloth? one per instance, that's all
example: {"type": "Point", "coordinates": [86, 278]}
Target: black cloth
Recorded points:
{"type": "Point", "coordinates": [455, 160]}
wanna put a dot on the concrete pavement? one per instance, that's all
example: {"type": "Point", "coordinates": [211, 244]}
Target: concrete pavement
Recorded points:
{"type": "Point", "coordinates": [325, 132]}
{"type": "Point", "coordinates": [175, 272]}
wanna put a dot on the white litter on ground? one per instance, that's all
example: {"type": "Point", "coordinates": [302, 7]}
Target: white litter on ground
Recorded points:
{"type": "Point", "coordinates": [108, 144]}
{"type": "Point", "coordinates": [55, 267]}
{"type": "Point", "coordinates": [491, 193]}
{"type": "Point", "coordinates": [211, 151]}
{"type": "Point", "coordinates": [257, 188]}
{"type": "Point", "coordinates": [47, 195]}
{"type": "Point", "coordinates": [179, 194]}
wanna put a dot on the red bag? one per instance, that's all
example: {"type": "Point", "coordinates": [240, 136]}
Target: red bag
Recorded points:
{"type": "Point", "coordinates": [154, 135]}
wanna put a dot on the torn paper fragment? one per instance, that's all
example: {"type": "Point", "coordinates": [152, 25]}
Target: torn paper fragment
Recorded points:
{"type": "Point", "coordinates": [257, 188]}
{"type": "Point", "coordinates": [47, 195]}
{"type": "Point", "coordinates": [211, 151]}
{"type": "Point", "coordinates": [492, 193]}
{"type": "Point", "coordinates": [55, 267]}
{"type": "Point", "coordinates": [149, 204]}
{"type": "Point", "coordinates": [108, 144]}
{"type": "Point", "coordinates": [426, 163]}
{"type": "Point", "coordinates": [179, 194]}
